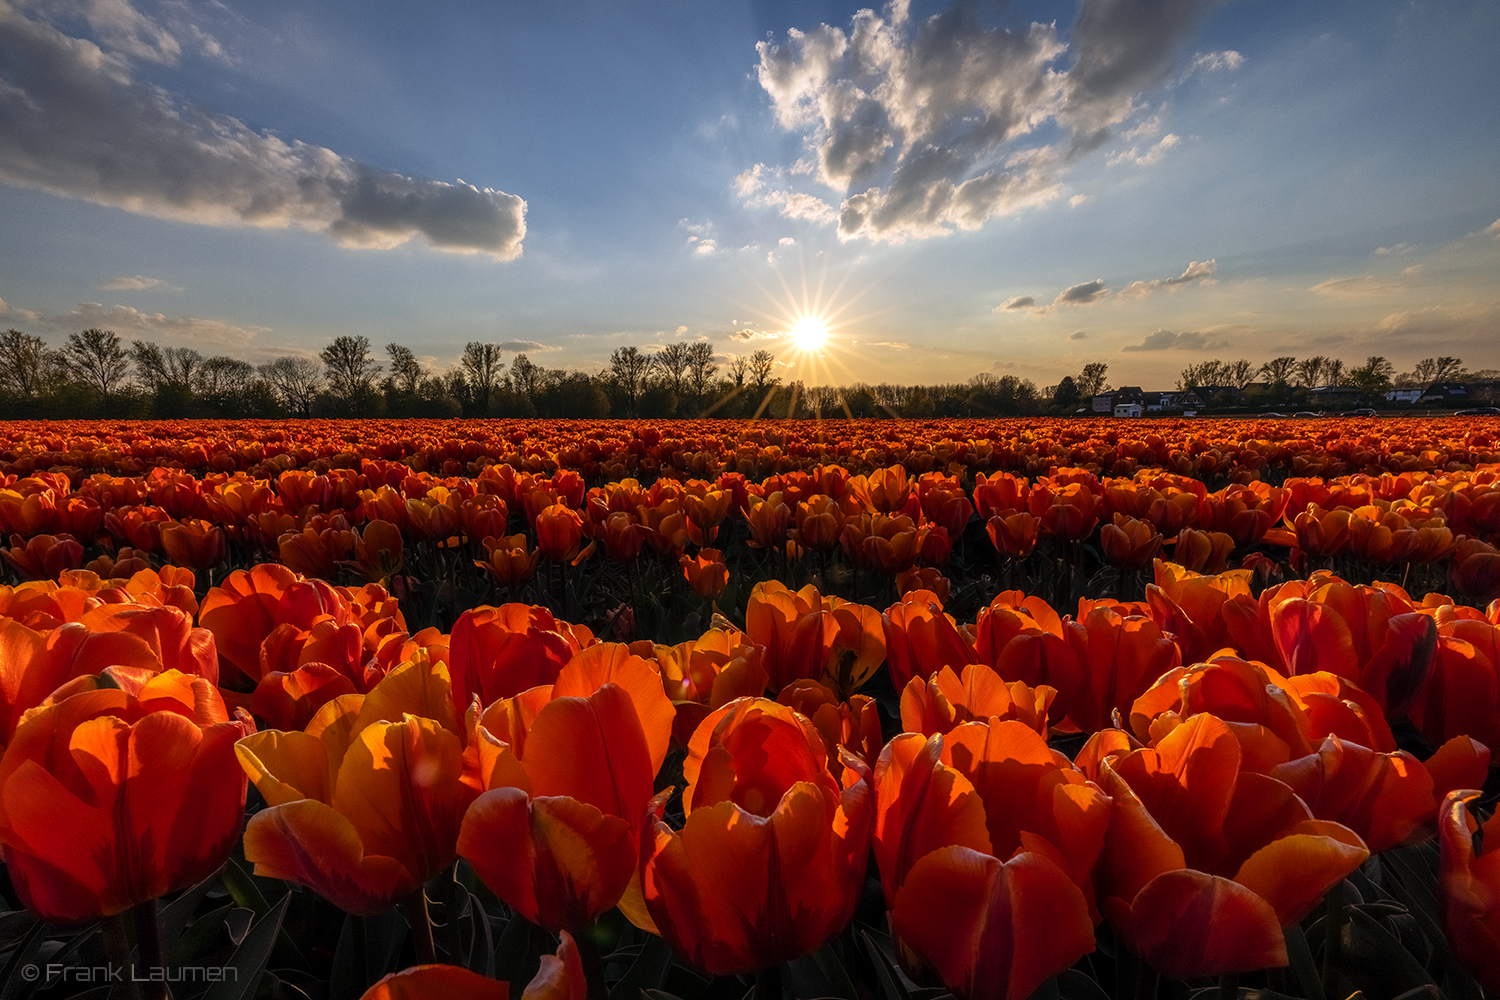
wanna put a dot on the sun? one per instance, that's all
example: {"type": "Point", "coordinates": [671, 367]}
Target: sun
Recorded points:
{"type": "Point", "coordinates": [809, 333]}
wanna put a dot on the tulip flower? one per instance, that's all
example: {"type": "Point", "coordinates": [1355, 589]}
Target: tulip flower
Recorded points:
{"type": "Point", "coordinates": [1203, 863]}
{"type": "Point", "coordinates": [1129, 544]}
{"type": "Point", "coordinates": [43, 557]}
{"type": "Point", "coordinates": [768, 520]}
{"type": "Point", "coordinates": [1013, 534]}
{"type": "Point", "coordinates": [1475, 569]}
{"type": "Point", "coordinates": [946, 700]}
{"type": "Point", "coordinates": [508, 561]}
{"type": "Point", "coordinates": [1470, 884]}
{"type": "Point", "coordinates": [1202, 551]}
{"type": "Point", "coordinates": [706, 573]}
{"type": "Point", "coordinates": [194, 543]}
{"type": "Point", "coordinates": [950, 808]}
{"type": "Point", "coordinates": [560, 977]}
{"type": "Point", "coordinates": [365, 805]}
{"type": "Point", "coordinates": [852, 725]}
{"type": "Point", "coordinates": [921, 639]}
{"type": "Point", "coordinates": [121, 794]}
{"type": "Point", "coordinates": [559, 530]}
{"type": "Point", "coordinates": [808, 635]}
{"type": "Point", "coordinates": [498, 652]}
{"type": "Point", "coordinates": [770, 862]}
{"type": "Point", "coordinates": [555, 835]}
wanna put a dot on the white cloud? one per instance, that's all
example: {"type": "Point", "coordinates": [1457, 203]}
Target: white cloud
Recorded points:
{"type": "Point", "coordinates": [1413, 271]}
{"type": "Point", "coordinates": [1079, 199]}
{"type": "Point", "coordinates": [73, 122]}
{"type": "Point", "coordinates": [208, 335]}
{"type": "Point", "coordinates": [705, 248]}
{"type": "Point", "coordinates": [1017, 302]}
{"type": "Point", "coordinates": [1398, 248]}
{"type": "Point", "coordinates": [1493, 229]}
{"type": "Point", "coordinates": [1214, 62]}
{"type": "Point", "coordinates": [681, 330]}
{"type": "Point", "coordinates": [524, 346]}
{"type": "Point", "coordinates": [786, 241]}
{"type": "Point", "coordinates": [921, 125]}
{"type": "Point", "coordinates": [135, 283]}
{"type": "Point", "coordinates": [895, 345]}
{"type": "Point", "coordinates": [1152, 156]}
{"type": "Point", "coordinates": [1200, 271]}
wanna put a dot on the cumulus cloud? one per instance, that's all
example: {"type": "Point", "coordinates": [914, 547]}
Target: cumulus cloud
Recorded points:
{"type": "Point", "coordinates": [922, 125]}
{"type": "Point", "coordinates": [524, 346]}
{"type": "Point", "coordinates": [209, 335]}
{"type": "Point", "coordinates": [1493, 229]}
{"type": "Point", "coordinates": [1199, 271]}
{"type": "Point", "coordinates": [74, 122]}
{"type": "Point", "coordinates": [1019, 302]}
{"type": "Point", "coordinates": [1078, 335]}
{"type": "Point", "coordinates": [754, 335]}
{"type": "Point", "coordinates": [135, 283]}
{"type": "Point", "coordinates": [1166, 340]}
{"type": "Point", "coordinates": [1470, 320]}
{"type": "Point", "coordinates": [1082, 294]}
{"type": "Point", "coordinates": [704, 248]}
{"type": "Point", "coordinates": [1079, 199]}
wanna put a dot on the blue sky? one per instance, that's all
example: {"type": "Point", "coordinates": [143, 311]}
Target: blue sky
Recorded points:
{"type": "Point", "coordinates": [1006, 188]}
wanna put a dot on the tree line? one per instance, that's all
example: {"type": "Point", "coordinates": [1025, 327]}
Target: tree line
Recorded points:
{"type": "Point", "coordinates": [96, 373]}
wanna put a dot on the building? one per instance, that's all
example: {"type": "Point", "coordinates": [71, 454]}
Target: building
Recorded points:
{"type": "Point", "coordinates": [1445, 394]}
{"type": "Point", "coordinates": [1127, 409]}
{"type": "Point", "coordinates": [1106, 402]}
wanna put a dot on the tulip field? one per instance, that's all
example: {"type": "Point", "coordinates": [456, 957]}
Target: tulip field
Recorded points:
{"type": "Point", "coordinates": [867, 709]}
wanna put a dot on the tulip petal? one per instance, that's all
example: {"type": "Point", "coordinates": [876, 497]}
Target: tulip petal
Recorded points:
{"type": "Point", "coordinates": [285, 766]}
{"type": "Point", "coordinates": [992, 929]}
{"type": "Point", "coordinates": [313, 844]}
{"type": "Point", "coordinates": [438, 982]}
{"type": "Point", "coordinates": [1294, 872]}
{"type": "Point", "coordinates": [592, 749]}
{"type": "Point", "coordinates": [1188, 924]}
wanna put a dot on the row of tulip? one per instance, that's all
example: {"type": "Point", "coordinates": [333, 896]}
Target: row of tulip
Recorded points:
{"type": "Point", "coordinates": [393, 526]}
{"type": "Point", "coordinates": [1236, 763]}
{"type": "Point", "coordinates": [614, 449]}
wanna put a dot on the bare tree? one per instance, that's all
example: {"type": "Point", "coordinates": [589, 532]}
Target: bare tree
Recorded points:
{"type": "Point", "coordinates": [1239, 373]}
{"type": "Point", "coordinates": [739, 371]}
{"type": "Point", "coordinates": [1310, 370]}
{"type": "Point", "coordinates": [297, 381]}
{"type": "Point", "coordinates": [98, 359]}
{"type": "Point", "coordinates": [24, 363]}
{"type": "Point", "coordinates": [672, 362]}
{"type": "Point", "coordinates": [1279, 369]}
{"type": "Point", "coordinates": [627, 369]}
{"type": "Point", "coordinates": [223, 376]}
{"type": "Point", "coordinates": [525, 377]}
{"type": "Point", "coordinates": [1333, 372]}
{"type": "Point", "coordinates": [701, 369]}
{"type": "Point", "coordinates": [762, 379]}
{"type": "Point", "coordinates": [405, 368]}
{"type": "Point", "coordinates": [351, 370]}
{"type": "Point", "coordinates": [481, 365]}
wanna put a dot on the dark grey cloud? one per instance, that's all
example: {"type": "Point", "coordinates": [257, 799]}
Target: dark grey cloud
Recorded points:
{"type": "Point", "coordinates": [73, 122]}
{"type": "Point", "coordinates": [1166, 340]}
{"type": "Point", "coordinates": [1082, 294]}
{"type": "Point", "coordinates": [1020, 302]}
{"type": "Point", "coordinates": [922, 124]}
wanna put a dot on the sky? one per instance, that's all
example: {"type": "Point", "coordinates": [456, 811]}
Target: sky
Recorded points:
{"type": "Point", "coordinates": [946, 189]}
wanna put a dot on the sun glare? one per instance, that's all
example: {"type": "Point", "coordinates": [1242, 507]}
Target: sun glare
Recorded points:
{"type": "Point", "coordinates": [809, 333]}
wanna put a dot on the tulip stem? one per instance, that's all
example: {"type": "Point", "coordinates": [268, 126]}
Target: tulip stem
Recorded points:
{"type": "Point", "coordinates": [768, 983]}
{"type": "Point", "coordinates": [117, 950]}
{"type": "Point", "coordinates": [593, 964]}
{"type": "Point", "coordinates": [421, 927]}
{"type": "Point", "coordinates": [148, 938]}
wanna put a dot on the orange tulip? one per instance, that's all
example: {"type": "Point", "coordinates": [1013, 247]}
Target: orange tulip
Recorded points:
{"type": "Point", "coordinates": [1475, 569]}
{"type": "Point", "coordinates": [507, 560]}
{"type": "Point", "coordinates": [1129, 544]}
{"type": "Point", "coordinates": [1322, 533]}
{"type": "Point", "coordinates": [500, 652]}
{"type": "Point", "coordinates": [820, 521]}
{"type": "Point", "coordinates": [1070, 511]}
{"type": "Point", "coordinates": [950, 808]}
{"type": "Point", "coordinates": [772, 857]}
{"type": "Point", "coordinates": [705, 573]}
{"type": "Point", "coordinates": [484, 516]}
{"type": "Point", "coordinates": [808, 635]}
{"type": "Point", "coordinates": [946, 700]}
{"type": "Point", "coordinates": [43, 557]}
{"type": "Point", "coordinates": [1189, 606]}
{"type": "Point", "coordinates": [921, 640]}
{"type": "Point", "coordinates": [193, 543]}
{"type": "Point", "coordinates": [361, 809]}
{"type": "Point", "coordinates": [378, 551]}
{"type": "Point", "coordinates": [560, 977]}
{"type": "Point", "coordinates": [555, 835]}
{"type": "Point", "coordinates": [1202, 551]}
{"type": "Point", "coordinates": [120, 794]}
{"type": "Point", "coordinates": [1013, 534]}
{"type": "Point", "coordinates": [852, 725]}
{"type": "Point", "coordinates": [559, 530]}
{"type": "Point", "coordinates": [768, 520]}
{"type": "Point", "coordinates": [1205, 864]}
{"type": "Point", "coordinates": [1470, 884]}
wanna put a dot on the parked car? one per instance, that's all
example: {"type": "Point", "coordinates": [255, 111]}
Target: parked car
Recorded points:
{"type": "Point", "coordinates": [1363, 412]}
{"type": "Point", "coordinates": [1479, 411]}
{"type": "Point", "coordinates": [1306, 414]}
{"type": "Point", "coordinates": [1273, 414]}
